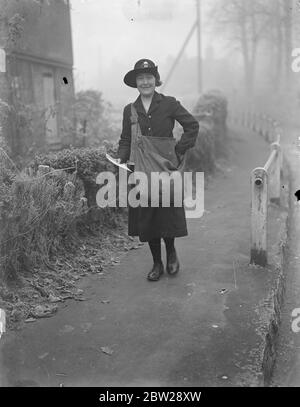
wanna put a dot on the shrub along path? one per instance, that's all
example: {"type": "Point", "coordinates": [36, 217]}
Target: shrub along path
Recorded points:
{"type": "Point", "coordinates": [198, 328]}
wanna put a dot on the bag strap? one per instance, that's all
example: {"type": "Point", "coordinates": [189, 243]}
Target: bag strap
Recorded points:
{"type": "Point", "coordinates": [134, 115]}
{"type": "Point", "coordinates": [135, 132]}
{"type": "Point", "coordinates": [135, 126]}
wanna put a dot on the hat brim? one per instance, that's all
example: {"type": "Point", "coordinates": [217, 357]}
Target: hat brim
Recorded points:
{"type": "Point", "coordinates": [130, 77]}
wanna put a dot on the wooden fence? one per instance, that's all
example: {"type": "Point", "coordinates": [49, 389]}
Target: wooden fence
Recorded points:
{"type": "Point", "coordinates": [265, 181]}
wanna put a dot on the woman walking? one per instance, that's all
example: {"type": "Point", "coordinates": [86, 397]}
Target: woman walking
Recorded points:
{"type": "Point", "coordinates": [156, 115]}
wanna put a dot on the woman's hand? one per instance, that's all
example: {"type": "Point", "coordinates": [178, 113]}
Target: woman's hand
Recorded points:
{"type": "Point", "coordinates": [179, 157]}
{"type": "Point", "coordinates": [120, 160]}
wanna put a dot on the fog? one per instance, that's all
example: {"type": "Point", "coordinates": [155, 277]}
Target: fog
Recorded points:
{"type": "Point", "coordinates": [110, 36]}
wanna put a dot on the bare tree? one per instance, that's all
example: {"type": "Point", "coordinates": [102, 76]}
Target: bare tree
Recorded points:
{"type": "Point", "coordinates": [279, 20]}
{"type": "Point", "coordinates": [243, 22]}
{"type": "Point", "coordinates": [246, 24]}
{"type": "Point", "coordinates": [276, 24]}
{"type": "Point", "coordinates": [288, 29]}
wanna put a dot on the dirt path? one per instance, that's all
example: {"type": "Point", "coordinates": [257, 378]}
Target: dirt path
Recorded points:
{"type": "Point", "coordinates": [192, 330]}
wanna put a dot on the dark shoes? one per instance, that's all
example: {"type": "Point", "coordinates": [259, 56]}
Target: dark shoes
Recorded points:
{"type": "Point", "coordinates": [156, 272]}
{"type": "Point", "coordinates": [173, 264]}
{"type": "Point", "coordinates": [158, 268]}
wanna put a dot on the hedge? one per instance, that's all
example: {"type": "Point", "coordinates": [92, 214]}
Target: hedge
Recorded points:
{"type": "Point", "coordinates": [86, 163]}
{"type": "Point", "coordinates": [37, 214]}
{"type": "Point", "coordinates": [211, 143]}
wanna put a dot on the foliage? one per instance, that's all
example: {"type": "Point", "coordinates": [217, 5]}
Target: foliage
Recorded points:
{"type": "Point", "coordinates": [37, 216]}
{"type": "Point", "coordinates": [93, 117]}
{"type": "Point", "coordinates": [212, 103]}
{"type": "Point", "coordinates": [30, 123]}
{"type": "Point", "coordinates": [87, 162]}
{"type": "Point", "coordinates": [4, 112]}
{"type": "Point", "coordinates": [42, 213]}
{"type": "Point", "coordinates": [15, 28]}
{"type": "Point", "coordinates": [89, 111]}
{"type": "Point", "coordinates": [211, 111]}
{"type": "Point", "coordinates": [202, 156]}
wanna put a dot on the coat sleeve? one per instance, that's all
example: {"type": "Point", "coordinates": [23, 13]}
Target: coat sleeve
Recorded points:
{"type": "Point", "coordinates": [125, 138]}
{"type": "Point", "coordinates": [189, 124]}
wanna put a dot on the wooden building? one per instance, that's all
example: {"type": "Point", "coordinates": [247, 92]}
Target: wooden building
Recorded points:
{"type": "Point", "coordinates": [38, 79]}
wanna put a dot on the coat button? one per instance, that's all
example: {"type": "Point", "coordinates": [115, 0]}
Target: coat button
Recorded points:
{"type": "Point", "coordinates": [149, 128]}
{"type": "Point", "coordinates": [149, 116]}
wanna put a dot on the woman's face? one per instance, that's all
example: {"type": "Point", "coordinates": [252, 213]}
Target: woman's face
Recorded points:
{"type": "Point", "coordinates": [145, 83]}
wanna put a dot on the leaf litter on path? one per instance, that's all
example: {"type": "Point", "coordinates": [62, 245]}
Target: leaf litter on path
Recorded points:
{"type": "Point", "coordinates": [50, 285]}
{"type": "Point", "coordinates": [30, 320]}
{"type": "Point", "coordinates": [86, 326]}
{"type": "Point", "coordinates": [44, 355]}
{"type": "Point", "coordinates": [105, 301]}
{"type": "Point", "coordinates": [107, 350]}
{"type": "Point", "coordinates": [43, 311]}
{"type": "Point", "coordinates": [52, 298]}
{"type": "Point", "coordinates": [67, 329]}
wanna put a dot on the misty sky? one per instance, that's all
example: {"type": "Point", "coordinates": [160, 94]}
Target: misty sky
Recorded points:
{"type": "Point", "coordinates": [109, 36]}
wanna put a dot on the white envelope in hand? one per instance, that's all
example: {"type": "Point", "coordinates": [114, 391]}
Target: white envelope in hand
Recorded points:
{"type": "Point", "coordinates": [114, 161]}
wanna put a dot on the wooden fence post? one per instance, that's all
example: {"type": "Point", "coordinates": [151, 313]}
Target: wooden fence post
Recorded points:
{"type": "Point", "coordinates": [254, 121]}
{"type": "Point", "coordinates": [265, 127]}
{"type": "Point", "coordinates": [259, 208]}
{"type": "Point", "coordinates": [260, 126]}
{"type": "Point", "coordinates": [276, 175]}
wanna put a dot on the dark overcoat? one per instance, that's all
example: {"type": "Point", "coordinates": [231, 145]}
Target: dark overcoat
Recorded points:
{"type": "Point", "coordinates": [149, 223]}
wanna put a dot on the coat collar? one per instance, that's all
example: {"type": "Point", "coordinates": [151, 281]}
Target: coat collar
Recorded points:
{"type": "Point", "coordinates": [138, 104]}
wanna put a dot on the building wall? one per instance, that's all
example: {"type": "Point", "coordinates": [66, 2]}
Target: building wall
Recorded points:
{"type": "Point", "coordinates": [4, 88]}
{"type": "Point", "coordinates": [37, 63]}
{"type": "Point", "coordinates": [46, 100]}
{"type": "Point", "coordinates": [46, 29]}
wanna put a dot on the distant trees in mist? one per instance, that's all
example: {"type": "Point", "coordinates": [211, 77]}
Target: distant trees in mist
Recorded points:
{"type": "Point", "coordinates": [247, 25]}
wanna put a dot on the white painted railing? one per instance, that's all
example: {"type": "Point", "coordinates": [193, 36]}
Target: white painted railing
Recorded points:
{"type": "Point", "coordinates": [265, 181]}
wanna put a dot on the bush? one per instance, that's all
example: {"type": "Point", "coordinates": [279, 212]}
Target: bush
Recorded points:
{"type": "Point", "coordinates": [38, 214]}
{"type": "Point", "coordinates": [86, 162]}
{"type": "Point", "coordinates": [202, 157]}
{"type": "Point", "coordinates": [94, 118]}
{"type": "Point", "coordinates": [211, 111]}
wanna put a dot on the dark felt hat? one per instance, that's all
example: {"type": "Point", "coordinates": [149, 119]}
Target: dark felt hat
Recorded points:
{"type": "Point", "coordinates": [142, 66]}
